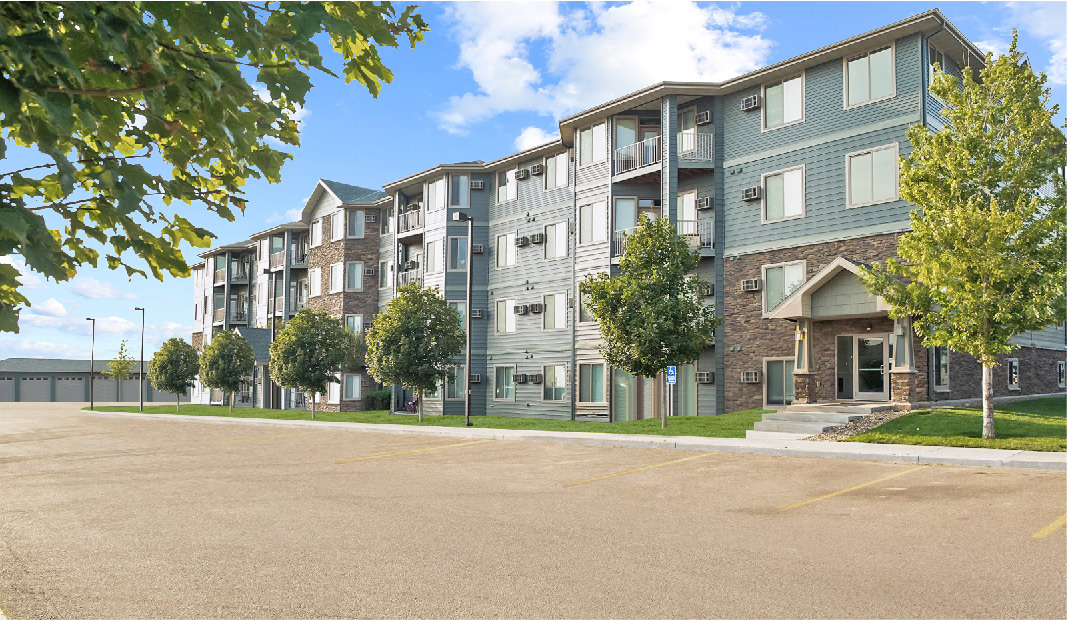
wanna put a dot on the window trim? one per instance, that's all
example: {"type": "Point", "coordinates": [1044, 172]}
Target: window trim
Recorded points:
{"type": "Point", "coordinates": [848, 175]}
{"type": "Point", "coordinates": [362, 215]}
{"type": "Point", "coordinates": [496, 303]}
{"type": "Point", "coordinates": [592, 159]}
{"type": "Point", "coordinates": [1018, 374]}
{"type": "Point", "coordinates": [315, 223]}
{"type": "Point", "coordinates": [514, 386]}
{"type": "Point", "coordinates": [450, 185]}
{"type": "Point", "coordinates": [431, 205]}
{"type": "Point", "coordinates": [338, 215]}
{"type": "Point", "coordinates": [943, 387]}
{"type": "Point", "coordinates": [803, 101]}
{"type": "Point", "coordinates": [330, 285]}
{"type": "Point", "coordinates": [766, 386]}
{"type": "Point", "coordinates": [844, 69]}
{"type": "Point", "coordinates": [435, 255]}
{"type": "Point", "coordinates": [314, 276]}
{"type": "Point", "coordinates": [1061, 382]}
{"type": "Point", "coordinates": [803, 194]}
{"type": "Point", "coordinates": [514, 234]}
{"type": "Point", "coordinates": [544, 312]}
{"type": "Point", "coordinates": [458, 370]}
{"type": "Point", "coordinates": [448, 255]}
{"type": "Point", "coordinates": [346, 317]}
{"type": "Point", "coordinates": [345, 269]}
{"type": "Point", "coordinates": [359, 385]}
{"type": "Point", "coordinates": [566, 236]}
{"type": "Point", "coordinates": [763, 276]}
{"type": "Point", "coordinates": [682, 111]}
{"type": "Point", "coordinates": [515, 182]}
{"type": "Point", "coordinates": [592, 403]}
{"type": "Point", "coordinates": [603, 204]}
{"type": "Point", "coordinates": [544, 382]}
{"type": "Point", "coordinates": [566, 170]}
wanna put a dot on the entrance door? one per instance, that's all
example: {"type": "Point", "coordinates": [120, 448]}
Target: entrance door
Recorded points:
{"type": "Point", "coordinates": [844, 368]}
{"type": "Point", "coordinates": [780, 382]}
{"type": "Point", "coordinates": [871, 357]}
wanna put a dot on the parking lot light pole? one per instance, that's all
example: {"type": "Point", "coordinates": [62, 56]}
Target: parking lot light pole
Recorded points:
{"type": "Point", "coordinates": [92, 362]}
{"type": "Point", "coordinates": [140, 376]}
{"type": "Point", "coordinates": [463, 217]}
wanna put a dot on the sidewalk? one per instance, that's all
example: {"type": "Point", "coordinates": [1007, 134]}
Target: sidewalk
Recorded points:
{"type": "Point", "coordinates": [938, 455]}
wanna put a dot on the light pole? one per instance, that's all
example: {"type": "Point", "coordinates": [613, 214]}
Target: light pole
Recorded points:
{"type": "Point", "coordinates": [463, 217]}
{"type": "Point", "coordinates": [140, 376]}
{"type": "Point", "coordinates": [92, 363]}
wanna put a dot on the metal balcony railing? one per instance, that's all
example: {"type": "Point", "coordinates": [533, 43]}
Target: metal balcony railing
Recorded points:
{"type": "Point", "coordinates": [696, 146]}
{"type": "Point", "coordinates": [701, 234]}
{"type": "Point", "coordinates": [220, 276]}
{"type": "Point", "coordinates": [691, 147]}
{"type": "Point", "coordinates": [239, 315]}
{"type": "Point", "coordinates": [296, 305]}
{"type": "Point", "coordinates": [618, 241]}
{"type": "Point", "coordinates": [298, 256]}
{"type": "Point", "coordinates": [219, 314]}
{"type": "Point", "coordinates": [277, 259]}
{"type": "Point", "coordinates": [240, 274]}
{"type": "Point", "coordinates": [409, 221]}
{"type": "Point", "coordinates": [244, 398]}
{"type": "Point", "coordinates": [407, 277]}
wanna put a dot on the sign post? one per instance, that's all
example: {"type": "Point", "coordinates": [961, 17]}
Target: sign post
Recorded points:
{"type": "Point", "coordinates": [672, 378]}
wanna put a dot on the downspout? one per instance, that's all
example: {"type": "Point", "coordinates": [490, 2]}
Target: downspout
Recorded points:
{"type": "Point", "coordinates": [577, 293]}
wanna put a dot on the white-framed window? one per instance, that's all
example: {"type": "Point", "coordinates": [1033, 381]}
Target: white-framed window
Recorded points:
{"type": "Point", "coordinates": [556, 171]}
{"type": "Point", "coordinates": [315, 281]}
{"type": "Point", "coordinates": [432, 256]}
{"type": "Point", "coordinates": [1013, 374]}
{"type": "Point", "coordinates": [352, 383]}
{"type": "Point", "coordinates": [505, 316]}
{"type": "Point", "coordinates": [557, 239]}
{"type": "Point", "coordinates": [316, 233]}
{"type": "Point", "coordinates": [554, 385]}
{"type": "Point", "coordinates": [356, 224]}
{"type": "Point", "coordinates": [354, 276]}
{"type": "Point", "coordinates": [555, 313]}
{"type": "Point", "coordinates": [941, 369]}
{"type": "Point", "coordinates": [457, 253]}
{"type": "Point", "coordinates": [591, 383]}
{"type": "Point", "coordinates": [436, 194]}
{"type": "Point", "coordinates": [872, 176]}
{"type": "Point", "coordinates": [783, 102]}
{"type": "Point", "coordinates": [461, 308]}
{"type": "Point", "coordinates": [783, 195]}
{"type": "Point", "coordinates": [1061, 374]}
{"type": "Point", "coordinates": [337, 225]}
{"type": "Point", "coordinates": [584, 314]}
{"type": "Point", "coordinates": [593, 144]}
{"type": "Point", "coordinates": [460, 195]}
{"type": "Point", "coordinates": [333, 392]}
{"type": "Point", "coordinates": [507, 188]}
{"type": "Point", "coordinates": [505, 250]}
{"type": "Point", "coordinates": [592, 223]}
{"type": "Point", "coordinates": [386, 220]}
{"type": "Point", "coordinates": [354, 323]}
{"type": "Point", "coordinates": [336, 277]}
{"type": "Point", "coordinates": [780, 281]}
{"type": "Point", "coordinates": [934, 57]}
{"type": "Point", "coordinates": [504, 383]}
{"type": "Point", "coordinates": [383, 273]}
{"type": "Point", "coordinates": [870, 77]}
{"type": "Point", "coordinates": [687, 129]}
{"type": "Point", "coordinates": [456, 384]}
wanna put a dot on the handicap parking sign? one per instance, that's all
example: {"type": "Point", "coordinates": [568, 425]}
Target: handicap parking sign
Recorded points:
{"type": "Point", "coordinates": [672, 375]}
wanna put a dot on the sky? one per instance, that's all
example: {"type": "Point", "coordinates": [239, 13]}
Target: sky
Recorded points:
{"type": "Point", "coordinates": [491, 79]}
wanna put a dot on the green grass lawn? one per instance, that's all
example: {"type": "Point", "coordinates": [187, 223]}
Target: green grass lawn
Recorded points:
{"type": "Point", "coordinates": [1039, 424]}
{"type": "Point", "coordinates": [729, 425]}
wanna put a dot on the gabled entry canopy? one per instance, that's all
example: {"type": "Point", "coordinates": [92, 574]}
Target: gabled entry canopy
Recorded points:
{"type": "Point", "coordinates": [836, 292]}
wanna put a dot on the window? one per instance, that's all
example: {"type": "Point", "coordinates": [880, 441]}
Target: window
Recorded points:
{"type": "Point", "coordinates": [457, 253]}
{"type": "Point", "coordinates": [555, 314]}
{"type": "Point", "coordinates": [780, 281]}
{"type": "Point", "coordinates": [592, 145]}
{"type": "Point", "coordinates": [333, 392]}
{"type": "Point", "coordinates": [435, 194]}
{"type": "Point", "coordinates": [505, 250]}
{"type": "Point", "coordinates": [687, 129]}
{"type": "Point", "coordinates": [337, 226]}
{"type": "Point", "coordinates": [316, 233]}
{"type": "Point", "coordinates": [461, 308]}
{"type": "Point", "coordinates": [872, 176]}
{"type": "Point", "coordinates": [783, 102]}
{"type": "Point", "coordinates": [461, 191]}
{"type": "Point", "coordinates": [456, 385]}
{"type": "Point", "coordinates": [356, 221]}
{"type": "Point", "coordinates": [778, 378]}
{"type": "Point", "coordinates": [556, 238]}
{"type": "Point", "coordinates": [383, 273]}
{"type": "Point", "coordinates": [387, 220]}
{"type": "Point", "coordinates": [432, 256]}
{"type": "Point", "coordinates": [315, 276]}
{"type": "Point", "coordinates": [354, 323]}
{"type": "Point", "coordinates": [555, 382]}
{"type": "Point", "coordinates": [584, 315]}
{"type": "Point", "coordinates": [433, 393]}
{"type": "Point", "coordinates": [507, 188]}
{"type": "Point", "coordinates": [1013, 374]}
{"type": "Point", "coordinates": [869, 77]}
{"type": "Point", "coordinates": [1061, 374]}
{"type": "Point", "coordinates": [504, 386]}
{"type": "Point", "coordinates": [354, 276]}
{"type": "Point", "coordinates": [556, 171]}
{"type": "Point", "coordinates": [352, 387]}
{"type": "Point", "coordinates": [591, 383]}
{"type": "Point", "coordinates": [941, 374]}
{"type": "Point", "coordinates": [592, 223]}
{"type": "Point", "coordinates": [336, 276]}
{"type": "Point", "coordinates": [783, 195]}
{"type": "Point", "coordinates": [505, 316]}
{"type": "Point", "coordinates": [935, 57]}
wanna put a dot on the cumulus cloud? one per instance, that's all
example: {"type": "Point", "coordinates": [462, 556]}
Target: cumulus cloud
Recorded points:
{"type": "Point", "coordinates": [996, 46]}
{"type": "Point", "coordinates": [591, 55]}
{"type": "Point", "coordinates": [1045, 20]}
{"type": "Point", "coordinates": [50, 307]}
{"type": "Point", "coordinates": [32, 348]}
{"type": "Point", "coordinates": [26, 278]}
{"type": "Point", "coordinates": [299, 115]}
{"type": "Point", "coordinates": [534, 136]}
{"type": "Point", "coordinates": [91, 288]}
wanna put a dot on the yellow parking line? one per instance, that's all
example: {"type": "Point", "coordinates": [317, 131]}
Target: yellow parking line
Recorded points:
{"type": "Point", "coordinates": [1051, 527]}
{"type": "Point", "coordinates": [219, 443]}
{"type": "Point", "coordinates": [633, 471]}
{"type": "Point", "coordinates": [382, 456]}
{"type": "Point", "coordinates": [850, 489]}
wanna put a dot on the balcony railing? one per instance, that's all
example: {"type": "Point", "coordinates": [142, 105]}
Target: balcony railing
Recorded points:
{"type": "Point", "coordinates": [220, 276]}
{"type": "Point", "coordinates": [298, 256]}
{"type": "Point", "coordinates": [275, 306]}
{"type": "Point", "coordinates": [691, 147]}
{"type": "Point", "coordinates": [277, 259]}
{"type": "Point", "coordinates": [296, 305]}
{"type": "Point", "coordinates": [700, 234]}
{"type": "Point", "coordinates": [217, 396]}
{"type": "Point", "coordinates": [411, 220]}
{"type": "Point", "coordinates": [407, 277]}
{"type": "Point", "coordinates": [240, 274]}
{"type": "Point", "coordinates": [244, 397]}
{"type": "Point", "coordinates": [297, 400]}
{"type": "Point", "coordinates": [239, 316]}
{"type": "Point", "coordinates": [696, 146]}
{"type": "Point", "coordinates": [618, 242]}
{"type": "Point", "coordinates": [219, 314]}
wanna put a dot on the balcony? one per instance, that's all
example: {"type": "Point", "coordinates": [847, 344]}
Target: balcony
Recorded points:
{"type": "Point", "coordinates": [409, 221]}
{"type": "Point", "coordinates": [639, 155]}
{"type": "Point", "coordinates": [219, 315]}
{"type": "Point", "coordinates": [298, 256]}
{"type": "Point", "coordinates": [220, 276]}
{"type": "Point", "coordinates": [239, 316]}
{"type": "Point", "coordinates": [296, 305]}
{"type": "Point", "coordinates": [217, 397]}
{"type": "Point", "coordinates": [277, 260]}
{"type": "Point", "coordinates": [692, 148]}
{"type": "Point", "coordinates": [239, 274]}
{"type": "Point", "coordinates": [408, 277]}
{"type": "Point", "coordinates": [275, 306]}
{"type": "Point", "coordinates": [699, 233]}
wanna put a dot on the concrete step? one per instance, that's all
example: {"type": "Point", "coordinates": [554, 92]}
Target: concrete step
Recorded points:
{"type": "Point", "coordinates": [813, 416]}
{"type": "Point", "coordinates": [863, 408]}
{"type": "Point", "coordinates": [774, 435]}
{"type": "Point", "coordinates": [809, 428]}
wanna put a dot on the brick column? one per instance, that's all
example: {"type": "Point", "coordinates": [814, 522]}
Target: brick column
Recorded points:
{"type": "Point", "coordinates": [804, 388]}
{"type": "Point", "coordinates": [904, 387]}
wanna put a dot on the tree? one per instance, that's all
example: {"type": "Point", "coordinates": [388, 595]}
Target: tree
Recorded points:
{"type": "Point", "coordinates": [201, 90]}
{"type": "Point", "coordinates": [984, 259]}
{"type": "Point", "coordinates": [355, 352]}
{"type": "Point", "coordinates": [414, 340]}
{"type": "Point", "coordinates": [173, 368]}
{"type": "Point", "coordinates": [119, 368]}
{"type": "Point", "coordinates": [226, 363]}
{"type": "Point", "coordinates": [307, 354]}
{"type": "Point", "coordinates": [651, 315]}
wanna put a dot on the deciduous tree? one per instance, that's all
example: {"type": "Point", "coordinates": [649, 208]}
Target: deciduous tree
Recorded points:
{"type": "Point", "coordinates": [308, 353]}
{"type": "Point", "coordinates": [119, 368]}
{"type": "Point", "coordinates": [173, 368]}
{"type": "Point", "coordinates": [227, 363]}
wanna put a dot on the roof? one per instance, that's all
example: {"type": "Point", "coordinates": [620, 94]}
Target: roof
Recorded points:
{"type": "Point", "coordinates": [280, 228]}
{"type": "Point", "coordinates": [259, 338]}
{"type": "Point", "coordinates": [438, 169]}
{"type": "Point", "coordinates": [240, 245]}
{"type": "Point", "coordinates": [32, 364]}
{"type": "Point", "coordinates": [352, 193]}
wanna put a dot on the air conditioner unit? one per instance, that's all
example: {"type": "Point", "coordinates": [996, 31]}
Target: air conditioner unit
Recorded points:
{"type": "Point", "coordinates": [537, 308]}
{"type": "Point", "coordinates": [537, 378]}
{"type": "Point", "coordinates": [705, 377]}
{"type": "Point", "coordinates": [521, 242]}
{"type": "Point", "coordinates": [365, 382]}
{"type": "Point", "coordinates": [476, 313]}
{"type": "Point", "coordinates": [704, 117]}
{"type": "Point", "coordinates": [370, 271]}
{"type": "Point", "coordinates": [749, 376]}
{"type": "Point", "coordinates": [704, 203]}
{"type": "Point", "coordinates": [522, 173]}
{"type": "Point", "coordinates": [750, 193]}
{"type": "Point", "coordinates": [707, 288]}
{"type": "Point", "coordinates": [750, 103]}
{"type": "Point", "coordinates": [477, 184]}
{"type": "Point", "coordinates": [521, 378]}
{"type": "Point", "coordinates": [537, 169]}
{"type": "Point", "coordinates": [476, 378]}
{"type": "Point", "coordinates": [522, 309]}
{"type": "Point", "coordinates": [750, 285]}
{"type": "Point", "coordinates": [537, 238]}
{"type": "Point", "coordinates": [411, 264]}
{"type": "Point", "coordinates": [369, 217]}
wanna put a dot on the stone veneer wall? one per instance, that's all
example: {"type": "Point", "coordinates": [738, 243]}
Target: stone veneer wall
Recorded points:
{"type": "Point", "coordinates": [198, 341]}
{"type": "Point", "coordinates": [1037, 374]}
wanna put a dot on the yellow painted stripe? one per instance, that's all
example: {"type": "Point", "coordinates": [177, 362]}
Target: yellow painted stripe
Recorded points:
{"type": "Point", "coordinates": [633, 471]}
{"type": "Point", "coordinates": [219, 443]}
{"type": "Point", "coordinates": [1052, 527]}
{"type": "Point", "coordinates": [382, 456]}
{"type": "Point", "coordinates": [850, 489]}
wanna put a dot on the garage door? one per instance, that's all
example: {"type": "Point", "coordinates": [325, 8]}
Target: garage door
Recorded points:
{"type": "Point", "coordinates": [35, 390]}
{"type": "Point", "coordinates": [129, 391]}
{"type": "Point", "coordinates": [7, 389]}
{"type": "Point", "coordinates": [70, 389]}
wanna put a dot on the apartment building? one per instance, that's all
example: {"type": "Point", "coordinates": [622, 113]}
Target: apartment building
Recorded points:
{"type": "Point", "coordinates": [785, 180]}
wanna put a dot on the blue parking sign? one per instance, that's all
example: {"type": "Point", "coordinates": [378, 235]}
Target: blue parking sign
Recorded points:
{"type": "Point", "coordinates": [672, 375]}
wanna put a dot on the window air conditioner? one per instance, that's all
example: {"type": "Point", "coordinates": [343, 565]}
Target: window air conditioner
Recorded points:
{"type": "Point", "coordinates": [704, 117]}
{"type": "Point", "coordinates": [707, 288]}
{"type": "Point", "coordinates": [476, 378]}
{"type": "Point", "coordinates": [537, 169]}
{"type": "Point", "coordinates": [478, 184]}
{"type": "Point", "coordinates": [750, 103]}
{"type": "Point", "coordinates": [477, 248]}
{"type": "Point", "coordinates": [369, 217]}
{"type": "Point", "coordinates": [522, 309]}
{"type": "Point", "coordinates": [411, 264]}
{"type": "Point", "coordinates": [750, 193]}
{"type": "Point", "coordinates": [537, 308]}
{"type": "Point", "coordinates": [537, 378]}
{"type": "Point", "coordinates": [521, 242]}
{"type": "Point", "coordinates": [476, 313]}
{"type": "Point", "coordinates": [704, 203]}
{"type": "Point", "coordinates": [537, 238]}
{"type": "Point", "coordinates": [522, 173]}
{"type": "Point", "coordinates": [750, 285]}
{"type": "Point", "coordinates": [705, 377]}
{"type": "Point", "coordinates": [749, 376]}
{"type": "Point", "coordinates": [521, 378]}
{"type": "Point", "coordinates": [370, 271]}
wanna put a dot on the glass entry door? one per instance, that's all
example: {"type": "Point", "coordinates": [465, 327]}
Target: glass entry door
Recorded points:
{"type": "Point", "coordinates": [780, 382]}
{"type": "Point", "coordinates": [870, 360]}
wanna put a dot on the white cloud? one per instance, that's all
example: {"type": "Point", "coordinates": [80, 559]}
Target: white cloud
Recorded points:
{"type": "Point", "coordinates": [996, 46]}
{"type": "Point", "coordinates": [1045, 21]}
{"type": "Point", "coordinates": [26, 277]}
{"type": "Point", "coordinates": [591, 55]}
{"type": "Point", "coordinates": [50, 307]}
{"type": "Point", "coordinates": [533, 136]}
{"type": "Point", "coordinates": [298, 115]}
{"type": "Point", "coordinates": [30, 348]}
{"type": "Point", "coordinates": [91, 288]}
{"type": "Point", "coordinates": [293, 215]}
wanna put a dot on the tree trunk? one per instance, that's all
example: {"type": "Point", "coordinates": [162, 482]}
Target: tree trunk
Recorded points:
{"type": "Point", "coordinates": [418, 404]}
{"type": "Point", "coordinates": [314, 395]}
{"type": "Point", "coordinates": [987, 402]}
{"type": "Point", "coordinates": [178, 402]}
{"type": "Point", "coordinates": [231, 402]}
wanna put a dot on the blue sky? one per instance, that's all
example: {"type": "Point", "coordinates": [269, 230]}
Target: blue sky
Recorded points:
{"type": "Point", "coordinates": [489, 80]}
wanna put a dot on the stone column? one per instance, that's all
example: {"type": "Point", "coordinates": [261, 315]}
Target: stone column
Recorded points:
{"type": "Point", "coordinates": [803, 378]}
{"type": "Point", "coordinates": [903, 379]}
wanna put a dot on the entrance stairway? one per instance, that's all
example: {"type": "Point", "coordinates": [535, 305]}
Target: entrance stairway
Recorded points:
{"type": "Point", "coordinates": [796, 421]}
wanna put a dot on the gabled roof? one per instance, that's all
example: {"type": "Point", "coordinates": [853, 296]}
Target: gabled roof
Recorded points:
{"type": "Point", "coordinates": [798, 304]}
{"type": "Point", "coordinates": [352, 193]}
{"type": "Point", "coordinates": [259, 338]}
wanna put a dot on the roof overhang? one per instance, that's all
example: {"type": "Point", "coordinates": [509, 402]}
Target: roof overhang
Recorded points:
{"type": "Point", "coordinates": [419, 177]}
{"type": "Point", "coordinates": [798, 304]}
{"type": "Point", "coordinates": [280, 228]}
{"type": "Point", "coordinates": [240, 245]}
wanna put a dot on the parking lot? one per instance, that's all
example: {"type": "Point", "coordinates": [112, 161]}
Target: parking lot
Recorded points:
{"type": "Point", "coordinates": [108, 517]}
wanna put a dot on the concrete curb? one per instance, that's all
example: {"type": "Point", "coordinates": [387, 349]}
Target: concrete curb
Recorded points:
{"type": "Point", "coordinates": [939, 455]}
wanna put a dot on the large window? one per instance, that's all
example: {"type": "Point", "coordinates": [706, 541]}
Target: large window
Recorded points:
{"type": "Point", "coordinates": [941, 368]}
{"type": "Point", "coordinates": [869, 77]}
{"type": "Point", "coordinates": [457, 253]}
{"type": "Point", "coordinates": [337, 226]}
{"type": "Point", "coordinates": [592, 223]}
{"type": "Point", "coordinates": [351, 387]}
{"type": "Point", "coordinates": [432, 256]}
{"type": "Point", "coordinates": [384, 267]}
{"type": "Point", "coordinates": [555, 382]}
{"type": "Point", "coordinates": [387, 220]}
{"type": "Point", "coordinates": [591, 383]}
{"type": "Point", "coordinates": [935, 57]}
{"type": "Point", "coordinates": [354, 276]}
{"type": "Point", "coordinates": [356, 221]}
{"type": "Point", "coordinates": [556, 171]}
{"type": "Point", "coordinates": [456, 386]}
{"type": "Point", "coordinates": [315, 278]}
{"type": "Point", "coordinates": [505, 250]}
{"type": "Point", "coordinates": [436, 194]}
{"type": "Point", "coordinates": [461, 308]}
{"type": "Point", "coordinates": [336, 277]}
{"type": "Point", "coordinates": [354, 323]}
{"type": "Point", "coordinates": [556, 237]}
{"type": "Point", "coordinates": [592, 144]}
{"type": "Point", "coordinates": [584, 314]}
{"type": "Point", "coordinates": [555, 314]}
{"type": "Point", "coordinates": [316, 234]}
{"type": "Point", "coordinates": [505, 316]}
{"type": "Point", "coordinates": [1013, 374]}
{"type": "Point", "coordinates": [504, 386]}
{"type": "Point", "coordinates": [781, 281]}
{"type": "Point", "coordinates": [507, 188]}
{"type": "Point", "coordinates": [461, 191]}
{"type": "Point", "coordinates": [783, 102]}
{"type": "Point", "coordinates": [783, 197]}
{"type": "Point", "coordinates": [872, 176]}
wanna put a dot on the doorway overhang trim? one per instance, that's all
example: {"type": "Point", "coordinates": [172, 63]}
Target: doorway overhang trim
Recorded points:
{"type": "Point", "coordinates": [798, 304]}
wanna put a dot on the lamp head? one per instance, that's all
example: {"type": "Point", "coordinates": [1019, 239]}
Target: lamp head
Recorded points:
{"type": "Point", "coordinates": [141, 309]}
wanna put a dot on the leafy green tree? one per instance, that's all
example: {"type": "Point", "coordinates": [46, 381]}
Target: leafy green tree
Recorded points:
{"type": "Point", "coordinates": [173, 368]}
{"type": "Point", "coordinates": [414, 340]}
{"type": "Point", "coordinates": [651, 314]}
{"type": "Point", "coordinates": [355, 357]}
{"type": "Point", "coordinates": [226, 363]}
{"type": "Point", "coordinates": [308, 353]}
{"type": "Point", "coordinates": [984, 259]}
{"type": "Point", "coordinates": [199, 89]}
{"type": "Point", "coordinates": [119, 369]}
